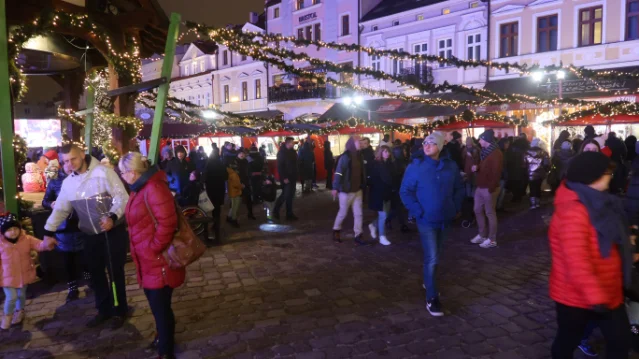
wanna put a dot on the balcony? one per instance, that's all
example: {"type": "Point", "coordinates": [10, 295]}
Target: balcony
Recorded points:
{"type": "Point", "coordinates": [420, 73]}
{"type": "Point", "coordinates": [288, 92]}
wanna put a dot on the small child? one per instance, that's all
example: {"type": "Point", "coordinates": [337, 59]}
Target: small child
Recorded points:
{"type": "Point", "coordinates": [235, 188]}
{"type": "Point", "coordinates": [269, 193]}
{"type": "Point", "coordinates": [17, 266]}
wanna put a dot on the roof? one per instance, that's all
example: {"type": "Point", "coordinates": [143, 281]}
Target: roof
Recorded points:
{"type": "Point", "coordinates": [273, 2]}
{"type": "Point", "coordinates": [175, 130]}
{"type": "Point", "coordinates": [392, 7]}
{"type": "Point", "coordinates": [208, 47]}
{"type": "Point", "coordinates": [268, 114]}
{"type": "Point", "coordinates": [387, 109]}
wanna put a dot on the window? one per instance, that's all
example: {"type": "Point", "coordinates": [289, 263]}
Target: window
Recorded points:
{"type": "Point", "coordinates": [376, 63]}
{"type": "Point", "coordinates": [315, 2]}
{"type": "Point", "coordinates": [420, 17]}
{"type": "Point", "coordinates": [395, 22]}
{"type": "Point", "coordinates": [225, 57]}
{"type": "Point", "coordinates": [445, 48]}
{"type": "Point", "coordinates": [473, 43]}
{"type": "Point", "coordinates": [244, 91]}
{"type": "Point", "coordinates": [374, 28]}
{"type": "Point", "coordinates": [194, 67]}
{"type": "Point", "coordinates": [299, 4]}
{"type": "Point", "coordinates": [318, 32]}
{"type": "Point", "coordinates": [258, 88]}
{"type": "Point", "coordinates": [590, 26]}
{"type": "Point", "coordinates": [508, 39]}
{"type": "Point", "coordinates": [632, 20]}
{"type": "Point", "coordinates": [202, 66]}
{"type": "Point", "coordinates": [278, 80]}
{"type": "Point", "coordinates": [186, 71]}
{"type": "Point", "coordinates": [226, 93]}
{"type": "Point", "coordinates": [420, 49]}
{"type": "Point", "coordinates": [276, 13]}
{"type": "Point", "coordinates": [309, 32]}
{"type": "Point", "coordinates": [445, 11]}
{"type": "Point", "coordinates": [398, 65]}
{"type": "Point", "coordinates": [243, 57]}
{"type": "Point", "coordinates": [547, 27]}
{"type": "Point", "coordinates": [473, 4]}
{"type": "Point", "coordinates": [345, 25]}
{"type": "Point", "coordinates": [300, 33]}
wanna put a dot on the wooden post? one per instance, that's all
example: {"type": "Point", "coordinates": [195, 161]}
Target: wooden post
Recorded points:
{"type": "Point", "coordinates": [10, 185]}
{"type": "Point", "coordinates": [163, 90]}
{"type": "Point", "coordinates": [88, 124]}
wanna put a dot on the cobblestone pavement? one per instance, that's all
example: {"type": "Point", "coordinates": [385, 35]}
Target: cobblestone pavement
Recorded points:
{"type": "Point", "coordinates": [280, 291]}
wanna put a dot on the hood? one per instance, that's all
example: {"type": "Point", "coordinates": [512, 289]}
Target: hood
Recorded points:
{"type": "Point", "coordinates": [31, 167]}
{"type": "Point", "coordinates": [350, 145]}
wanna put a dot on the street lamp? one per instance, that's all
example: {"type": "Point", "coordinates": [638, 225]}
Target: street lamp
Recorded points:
{"type": "Point", "coordinates": [537, 76]}
{"type": "Point", "coordinates": [210, 114]}
{"type": "Point", "coordinates": [353, 101]}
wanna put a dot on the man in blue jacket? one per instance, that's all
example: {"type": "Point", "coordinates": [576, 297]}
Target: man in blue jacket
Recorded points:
{"type": "Point", "coordinates": [432, 191]}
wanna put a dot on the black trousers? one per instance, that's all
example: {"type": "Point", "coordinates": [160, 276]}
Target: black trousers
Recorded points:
{"type": "Point", "coordinates": [256, 188]}
{"type": "Point", "coordinates": [97, 259]}
{"type": "Point", "coordinates": [248, 200]}
{"type": "Point", "coordinates": [217, 211]}
{"type": "Point", "coordinates": [329, 178]}
{"type": "Point", "coordinates": [535, 188]}
{"type": "Point", "coordinates": [288, 192]}
{"type": "Point", "coordinates": [571, 323]}
{"type": "Point", "coordinates": [74, 264]}
{"type": "Point", "coordinates": [160, 303]}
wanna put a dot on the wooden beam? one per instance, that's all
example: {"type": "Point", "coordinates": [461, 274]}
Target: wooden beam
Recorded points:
{"type": "Point", "coordinates": [139, 87]}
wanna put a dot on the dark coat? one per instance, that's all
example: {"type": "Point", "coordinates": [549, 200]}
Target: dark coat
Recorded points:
{"type": "Point", "coordinates": [256, 163]}
{"type": "Point", "coordinates": [148, 240]}
{"type": "Point", "coordinates": [455, 153]}
{"type": "Point", "coordinates": [287, 164]}
{"type": "Point", "coordinates": [342, 178]}
{"type": "Point", "coordinates": [190, 194]}
{"type": "Point", "coordinates": [561, 160]}
{"type": "Point", "coordinates": [516, 162]}
{"type": "Point", "coordinates": [307, 161]}
{"type": "Point", "coordinates": [178, 173]}
{"type": "Point", "coordinates": [269, 191]}
{"type": "Point", "coordinates": [69, 237]}
{"type": "Point", "coordinates": [215, 176]}
{"type": "Point", "coordinates": [368, 155]}
{"type": "Point", "coordinates": [329, 160]}
{"type": "Point", "coordinates": [384, 181]}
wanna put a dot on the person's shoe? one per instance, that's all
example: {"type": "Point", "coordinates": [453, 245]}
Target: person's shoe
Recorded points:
{"type": "Point", "coordinates": [235, 223]}
{"type": "Point", "coordinates": [488, 243]}
{"type": "Point", "coordinates": [373, 229]}
{"type": "Point", "coordinates": [587, 350]}
{"type": "Point", "coordinates": [532, 203]}
{"type": "Point", "coordinates": [337, 236]}
{"type": "Point", "coordinates": [405, 229]}
{"type": "Point", "coordinates": [117, 322]}
{"type": "Point", "coordinates": [252, 217]}
{"type": "Point", "coordinates": [73, 295]}
{"type": "Point", "coordinates": [434, 307]}
{"type": "Point", "coordinates": [360, 240]}
{"type": "Point", "coordinates": [18, 317]}
{"type": "Point", "coordinates": [478, 239]}
{"type": "Point", "coordinates": [384, 241]}
{"type": "Point", "coordinates": [6, 322]}
{"type": "Point", "coordinates": [97, 321]}
{"type": "Point", "coordinates": [292, 217]}
{"type": "Point", "coordinates": [153, 346]}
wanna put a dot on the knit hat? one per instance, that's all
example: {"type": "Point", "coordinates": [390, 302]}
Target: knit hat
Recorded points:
{"type": "Point", "coordinates": [488, 136]}
{"type": "Point", "coordinates": [436, 138]}
{"type": "Point", "coordinates": [7, 221]}
{"type": "Point", "coordinates": [456, 135]}
{"type": "Point", "coordinates": [566, 145]}
{"type": "Point", "coordinates": [587, 167]}
{"type": "Point", "coordinates": [51, 155]}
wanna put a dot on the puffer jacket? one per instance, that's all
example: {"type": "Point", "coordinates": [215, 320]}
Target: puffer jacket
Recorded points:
{"type": "Point", "coordinates": [234, 183]}
{"type": "Point", "coordinates": [68, 235]}
{"type": "Point", "coordinates": [579, 276]}
{"type": "Point", "coordinates": [18, 269]}
{"type": "Point", "coordinates": [178, 173]}
{"type": "Point", "coordinates": [148, 240]}
{"type": "Point", "coordinates": [33, 180]}
{"type": "Point", "coordinates": [538, 162]}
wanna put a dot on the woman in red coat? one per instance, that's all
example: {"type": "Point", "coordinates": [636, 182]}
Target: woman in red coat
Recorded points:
{"type": "Point", "coordinates": [591, 258]}
{"type": "Point", "coordinates": [151, 202]}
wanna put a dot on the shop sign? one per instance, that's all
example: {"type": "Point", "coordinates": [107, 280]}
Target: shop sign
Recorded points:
{"type": "Point", "coordinates": [390, 106]}
{"type": "Point", "coordinates": [307, 17]}
{"type": "Point", "coordinates": [584, 86]}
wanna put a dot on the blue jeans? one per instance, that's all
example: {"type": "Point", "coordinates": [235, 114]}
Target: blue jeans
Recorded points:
{"type": "Point", "coordinates": [432, 240]}
{"type": "Point", "coordinates": [381, 218]}
{"type": "Point", "coordinates": [15, 298]}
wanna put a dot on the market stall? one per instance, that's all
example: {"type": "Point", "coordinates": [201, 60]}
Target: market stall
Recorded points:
{"type": "Point", "coordinates": [477, 127]}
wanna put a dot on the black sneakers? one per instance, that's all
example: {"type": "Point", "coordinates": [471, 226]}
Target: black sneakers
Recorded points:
{"type": "Point", "coordinates": [434, 307]}
{"type": "Point", "coordinates": [97, 321]}
{"type": "Point", "coordinates": [337, 236]}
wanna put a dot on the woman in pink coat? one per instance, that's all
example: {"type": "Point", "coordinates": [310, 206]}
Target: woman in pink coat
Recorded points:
{"type": "Point", "coordinates": [17, 269]}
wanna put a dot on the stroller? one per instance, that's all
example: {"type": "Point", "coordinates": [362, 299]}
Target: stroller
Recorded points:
{"type": "Point", "coordinates": [468, 212]}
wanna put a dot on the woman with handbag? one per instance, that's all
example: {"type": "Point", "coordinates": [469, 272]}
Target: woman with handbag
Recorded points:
{"type": "Point", "coordinates": [152, 218]}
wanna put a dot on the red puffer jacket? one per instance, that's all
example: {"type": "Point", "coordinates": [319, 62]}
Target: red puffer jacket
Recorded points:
{"type": "Point", "coordinates": [579, 276]}
{"type": "Point", "coordinates": [148, 241]}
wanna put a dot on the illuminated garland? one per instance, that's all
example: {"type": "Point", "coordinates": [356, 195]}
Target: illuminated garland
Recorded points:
{"type": "Point", "coordinates": [603, 110]}
{"type": "Point", "coordinates": [126, 63]}
{"type": "Point", "coordinates": [131, 125]}
{"type": "Point", "coordinates": [111, 153]}
{"type": "Point", "coordinates": [67, 114]}
{"type": "Point", "coordinates": [469, 116]}
{"type": "Point", "coordinates": [20, 150]}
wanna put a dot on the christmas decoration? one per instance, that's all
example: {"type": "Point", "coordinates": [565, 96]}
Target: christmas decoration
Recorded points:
{"type": "Point", "coordinates": [609, 109]}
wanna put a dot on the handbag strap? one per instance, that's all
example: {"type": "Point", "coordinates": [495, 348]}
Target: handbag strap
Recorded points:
{"type": "Point", "coordinates": [148, 208]}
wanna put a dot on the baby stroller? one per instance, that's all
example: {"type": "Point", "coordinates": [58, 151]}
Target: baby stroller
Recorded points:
{"type": "Point", "coordinates": [468, 212]}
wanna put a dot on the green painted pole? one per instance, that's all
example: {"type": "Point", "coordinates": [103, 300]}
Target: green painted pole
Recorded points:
{"type": "Point", "coordinates": [88, 123]}
{"type": "Point", "coordinates": [10, 185]}
{"type": "Point", "coordinates": [163, 90]}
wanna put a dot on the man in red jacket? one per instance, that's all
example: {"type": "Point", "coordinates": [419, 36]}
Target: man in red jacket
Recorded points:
{"type": "Point", "coordinates": [591, 258]}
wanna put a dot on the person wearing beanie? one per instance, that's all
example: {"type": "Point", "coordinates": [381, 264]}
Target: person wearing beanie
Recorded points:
{"type": "Point", "coordinates": [560, 161]}
{"type": "Point", "coordinates": [538, 163]}
{"type": "Point", "coordinates": [454, 149]}
{"type": "Point", "coordinates": [18, 269]}
{"type": "Point", "coordinates": [591, 258]}
{"type": "Point", "coordinates": [349, 184]}
{"type": "Point", "coordinates": [433, 191]}
{"type": "Point", "coordinates": [178, 170]}
{"type": "Point", "coordinates": [488, 175]}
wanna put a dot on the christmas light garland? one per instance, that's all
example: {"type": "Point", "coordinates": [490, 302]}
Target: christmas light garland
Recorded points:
{"type": "Point", "coordinates": [469, 116]}
{"type": "Point", "coordinates": [603, 109]}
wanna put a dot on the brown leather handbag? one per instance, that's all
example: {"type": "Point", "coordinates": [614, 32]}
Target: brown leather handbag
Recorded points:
{"type": "Point", "coordinates": [186, 247]}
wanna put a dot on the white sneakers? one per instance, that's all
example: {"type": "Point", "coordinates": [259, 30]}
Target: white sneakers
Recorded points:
{"type": "Point", "coordinates": [483, 242]}
{"type": "Point", "coordinates": [373, 229]}
{"type": "Point", "coordinates": [384, 241]}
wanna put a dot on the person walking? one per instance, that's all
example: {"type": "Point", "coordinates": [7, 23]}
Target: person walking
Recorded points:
{"type": "Point", "coordinates": [349, 183]}
{"type": "Point", "coordinates": [215, 177]}
{"type": "Point", "coordinates": [630, 142]}
{"type": "Point", "coordinates": [307, 162]}
{"type": "Point", "coordinates": [471, 153]}
{"type": "Point", "coordinates": [96, 189]}
{"type": "Point", "coordinates": [591, 258]}
{"type": "Point", "coordinates": [538, 165]}
{"type": "Point", "coordinates": [329, 164]}
{"type": "Point", "coordinates": [517, 168]}
{"type": "Point", "coordinates": [384, 183]}
{"type": "Point", "coordinates": [245, 179]}
{"type": "Point", "coordinates": [619, 154]}
{"type": "Point", "coordinates": [488, 175]}
{"type": "Point", "coordinates": [235, 188]}
{"type": "Point", "coordinates": [152, 218]}
{"type": "Point", "coordinates": [563, 137]}
{"type": "Point", "coordinates": [560, 161]}
{"type": "Point", "coordinates": [256, 169]}
{"type": "Point", "coordinates": [178, 170]}
{"type": "Point", "coordinates": [433, 191]}
{"type": "Point", "coordinates": [287, 170]}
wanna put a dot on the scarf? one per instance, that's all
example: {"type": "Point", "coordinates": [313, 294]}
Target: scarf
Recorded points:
{"type": "Point", "coordinates": [607, 215]}
{"type": "Point", "coordinates": [137, 185]}
{"type": "Point", "coordinates": [485, 152]}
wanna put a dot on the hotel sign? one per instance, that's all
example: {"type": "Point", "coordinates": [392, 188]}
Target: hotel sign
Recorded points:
{"type": "Point", "coordinates": [308, 17]}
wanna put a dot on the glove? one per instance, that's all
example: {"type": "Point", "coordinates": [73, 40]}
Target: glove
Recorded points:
{"type": "Point", "coordinates": [600, 308]}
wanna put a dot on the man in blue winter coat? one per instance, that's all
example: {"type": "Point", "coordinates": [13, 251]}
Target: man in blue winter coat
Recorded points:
{"type": "Point", "coordinates": [433, 192]}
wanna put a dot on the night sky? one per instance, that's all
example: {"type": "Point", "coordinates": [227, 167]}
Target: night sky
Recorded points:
{"type": "Point", "coordinates": [210, 12]}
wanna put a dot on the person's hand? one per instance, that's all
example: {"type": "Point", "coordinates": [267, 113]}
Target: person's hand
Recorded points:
{"type": "Point", "coordinates": [286, 180]}
{"type": "Point", "coordinates": [50, 242]}
{"type": "Point", "coordinates": [53, 204]}
{"type": "Point", "coordinates": [334, 193]}
{"type": "Point", "coordinates": [106, 224]}
{"type": "Point", "coordinates": [474, 168]}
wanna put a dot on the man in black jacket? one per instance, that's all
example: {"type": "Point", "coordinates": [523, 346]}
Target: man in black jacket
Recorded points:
{"type": "Point", "coordinates": [454, 148]}
{"type": "Point", "coordinates": [215, 176]}
{"type": "Point", "coordinates": [287, 169]}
